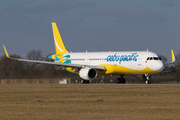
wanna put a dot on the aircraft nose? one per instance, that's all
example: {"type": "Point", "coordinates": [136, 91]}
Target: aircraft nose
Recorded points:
{"type": "Point", "coordinates": [159, 66]}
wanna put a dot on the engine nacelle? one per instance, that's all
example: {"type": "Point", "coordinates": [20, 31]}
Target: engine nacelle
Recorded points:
{"type": "Point", "coordinates": [88, 73]}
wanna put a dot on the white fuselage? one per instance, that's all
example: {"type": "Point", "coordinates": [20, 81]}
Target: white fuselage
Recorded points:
{"type": "Point", "coordinates": [132, 62]}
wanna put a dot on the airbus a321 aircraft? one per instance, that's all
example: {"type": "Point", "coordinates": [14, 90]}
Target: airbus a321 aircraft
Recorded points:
{"type": "Point", "coordinates": [89, 64]}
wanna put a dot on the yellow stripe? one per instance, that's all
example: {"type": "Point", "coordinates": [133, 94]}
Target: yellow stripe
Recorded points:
{"type": "Point", "coordinates": [115, 69]}
{"type": "Point", "coordinates": [5, 51]}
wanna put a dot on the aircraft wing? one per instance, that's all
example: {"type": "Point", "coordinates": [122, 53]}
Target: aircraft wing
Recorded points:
{"type": "Point", "coordinates": [54, 63]}
{"type": "Point", "coordinates": [46, 58]}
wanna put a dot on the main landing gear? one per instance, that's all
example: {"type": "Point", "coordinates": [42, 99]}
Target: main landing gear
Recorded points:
{"type": "Point", "coordinates": [121, 80]}
{"type": "Point", "coordinates": [147, 78]}
{"type": "Point", "coordinates": [82, 81]}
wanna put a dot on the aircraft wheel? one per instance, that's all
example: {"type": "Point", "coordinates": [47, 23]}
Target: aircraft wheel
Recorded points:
{"type": "Point", "coordinates": [148, 82]}
{"type": "Point", "coordinates": [123, 80]}
{"type": "Point", "coordinates": [87, 81]}
{"type": "Point", "coordinates": [118, 80]}
{"type": "Point", "coordinates": [81, 81]}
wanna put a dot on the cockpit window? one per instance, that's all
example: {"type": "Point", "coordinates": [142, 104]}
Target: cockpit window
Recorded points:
{"type": "Point", "coordinates": [160, 58]}
{"type": "Point", "coordinates": [154, 58]}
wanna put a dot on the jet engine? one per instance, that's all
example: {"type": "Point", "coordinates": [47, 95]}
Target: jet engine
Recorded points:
{"type": "Point", "coordinates": [88, 73]}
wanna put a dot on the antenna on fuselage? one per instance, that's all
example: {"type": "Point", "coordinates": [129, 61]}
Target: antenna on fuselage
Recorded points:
{"type": "Point", "coordinates": [147, 50]}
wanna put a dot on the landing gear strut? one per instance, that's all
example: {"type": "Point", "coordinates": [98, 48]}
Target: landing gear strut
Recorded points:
{"type": "Point", "coordinates": [121, 80]}
{"type": "Point", "coordinates": [82, 81]}
{"type": "Point", "coordinates": [147, 78]}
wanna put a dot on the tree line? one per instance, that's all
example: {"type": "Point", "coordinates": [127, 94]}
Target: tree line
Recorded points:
{"type": "Point", "coordinates": [12, 69]}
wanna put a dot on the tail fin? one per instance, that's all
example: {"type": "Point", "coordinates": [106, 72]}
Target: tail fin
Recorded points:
{"type": "Point", "coordinates": [59, 45]}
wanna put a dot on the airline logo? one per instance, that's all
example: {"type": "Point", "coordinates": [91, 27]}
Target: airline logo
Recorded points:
{"type": "Point", "coordinates": [60, 58]}
{"type": "Point", "coordinates": [122, 58]}
{"type": "Point", "coordinates": [67, 57]}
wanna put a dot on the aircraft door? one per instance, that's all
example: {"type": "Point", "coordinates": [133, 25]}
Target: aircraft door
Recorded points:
{"type": "Point", "coordinates": [139, 60]}
{"type": "Point", "coordinates": [87, 60]}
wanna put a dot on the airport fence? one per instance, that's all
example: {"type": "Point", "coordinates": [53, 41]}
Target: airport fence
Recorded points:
{"type": "Point", "coordinates": [108, 80]}
{"type": "Point", "coordinates": [33, 81]}
{"type": "Point", "coordinates": [132, 80]}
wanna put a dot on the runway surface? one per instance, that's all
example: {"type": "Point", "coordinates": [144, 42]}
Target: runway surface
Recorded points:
{"type": "Point", "coordinates": [93, 101]}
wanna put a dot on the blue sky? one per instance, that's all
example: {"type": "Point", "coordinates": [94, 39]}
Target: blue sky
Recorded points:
{"type": "Point", "coordinates": [92, 25]}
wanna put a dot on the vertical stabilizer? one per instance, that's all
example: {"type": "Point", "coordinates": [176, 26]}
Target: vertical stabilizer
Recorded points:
{"type": "Point", "coordinates": [59, 45]}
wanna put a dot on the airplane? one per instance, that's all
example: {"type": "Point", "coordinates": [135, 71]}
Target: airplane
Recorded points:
{"type": "Point", "coordinates": [89, 64]}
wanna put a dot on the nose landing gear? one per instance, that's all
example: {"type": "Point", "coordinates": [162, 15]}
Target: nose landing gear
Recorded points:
{"type": "Point", "coordinates": [147, 78]}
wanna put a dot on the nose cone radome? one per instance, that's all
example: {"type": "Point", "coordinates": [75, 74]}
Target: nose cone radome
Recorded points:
{"type": "Point", "coordinates": [159, 66]}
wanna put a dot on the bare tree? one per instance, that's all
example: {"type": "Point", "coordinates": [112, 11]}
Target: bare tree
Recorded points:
{"type": "Point", "coordinates": [34, 55]}
{"type": "Point", "coordinates": [177, 62]}
{"type": "Point", "coordinates": [11, 68]}
{"type": "Point", "coordinates": [163, 58]}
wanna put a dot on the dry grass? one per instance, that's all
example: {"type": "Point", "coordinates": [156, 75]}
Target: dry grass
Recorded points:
{"type": "Point", "coordinates": [116, 102]}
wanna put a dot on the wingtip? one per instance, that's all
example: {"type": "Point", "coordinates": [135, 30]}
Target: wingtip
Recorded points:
{"type": "Point", "coordinates": [173, 57]}
{"type": "Point", "coordinates": [7, 55]}
{"type": "Point", "coordinates": [53, 23]}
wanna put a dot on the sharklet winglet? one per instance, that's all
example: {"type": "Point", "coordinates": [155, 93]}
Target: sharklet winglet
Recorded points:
{"type": "Point", "coordinates": [7, 55]}
{"type": "Point", "coordinates": [173, 58]}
